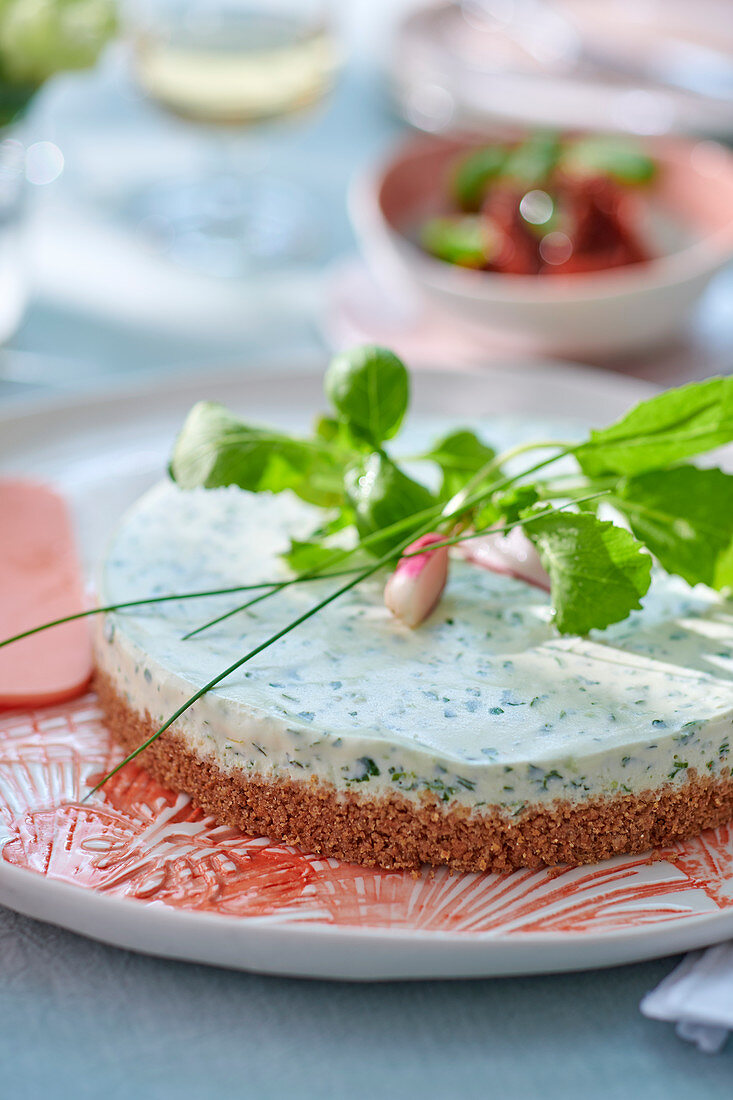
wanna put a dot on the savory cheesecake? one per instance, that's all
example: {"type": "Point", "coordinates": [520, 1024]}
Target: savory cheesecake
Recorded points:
{"type": "Point", "coordinates": [482, 740]}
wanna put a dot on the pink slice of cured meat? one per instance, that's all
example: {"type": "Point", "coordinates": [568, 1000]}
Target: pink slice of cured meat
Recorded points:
{"type": "Point", "coordinates": [40, 580]}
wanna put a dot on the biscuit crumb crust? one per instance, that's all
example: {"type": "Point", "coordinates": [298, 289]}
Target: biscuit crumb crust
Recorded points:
{"type": "Point", "coordinates": [394, 832]}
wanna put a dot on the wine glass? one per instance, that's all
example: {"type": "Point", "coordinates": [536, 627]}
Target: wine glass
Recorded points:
{"type": "Point", "coordinates": [225, 66]}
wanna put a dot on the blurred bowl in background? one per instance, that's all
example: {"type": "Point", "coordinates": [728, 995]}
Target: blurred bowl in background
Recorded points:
{"type": "Point", "coordinates": [649, 67]}
{"type": "Point", "coordinates": [687, 217]}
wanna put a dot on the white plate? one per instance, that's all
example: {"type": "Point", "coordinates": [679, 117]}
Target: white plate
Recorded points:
{"type": "Point", "coordinates": [140, 869]}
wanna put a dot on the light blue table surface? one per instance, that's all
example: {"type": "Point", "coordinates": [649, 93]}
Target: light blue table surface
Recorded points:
{"type": "Point", "coordinates": [78, 1019]}
{"type": "Point", "coordinates": [81, 1020]}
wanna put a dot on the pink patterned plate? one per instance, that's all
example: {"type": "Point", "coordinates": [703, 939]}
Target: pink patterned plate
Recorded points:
{"type": "Point", "coordinates": [139, 867]}
{"type": "Point", "coordinates": [217, 895]}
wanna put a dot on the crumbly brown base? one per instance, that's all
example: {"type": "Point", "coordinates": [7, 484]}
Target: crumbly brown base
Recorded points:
{"type": "Point", "coordinates": [394, 832]}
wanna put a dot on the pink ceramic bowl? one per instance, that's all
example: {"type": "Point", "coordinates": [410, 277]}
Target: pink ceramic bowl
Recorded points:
{"type": "Point", "coordinates": [687, 216]}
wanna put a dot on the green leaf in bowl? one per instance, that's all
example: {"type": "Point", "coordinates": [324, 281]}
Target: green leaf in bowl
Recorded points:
{"type": "Point", "coordinates": [466, 240]}
{"type": "Point", "coordinates": [473, 174]}
{"type": "Point", "coordinates": [618, 158]}
{"type": "Point", "coordinates": [531, 163]}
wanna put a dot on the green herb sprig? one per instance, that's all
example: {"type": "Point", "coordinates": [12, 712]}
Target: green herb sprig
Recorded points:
{"type": "Point", "coordinates": [599, 568]}
{"type": "Point", "coordinates": [599, 571]}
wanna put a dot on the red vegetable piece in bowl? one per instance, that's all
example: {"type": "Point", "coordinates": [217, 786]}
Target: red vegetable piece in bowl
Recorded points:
{"type": "Point", "coordinates": [517, 252]}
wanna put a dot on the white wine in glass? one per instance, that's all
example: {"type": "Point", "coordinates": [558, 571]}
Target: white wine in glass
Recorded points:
{"type": "Point", "coordinates": [238, 65]}
{"type": "Point", "coordinates": [228, 64]}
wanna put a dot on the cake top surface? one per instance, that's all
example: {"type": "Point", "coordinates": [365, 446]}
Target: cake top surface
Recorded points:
{"type": "Point", "coordinates": [485, 679]}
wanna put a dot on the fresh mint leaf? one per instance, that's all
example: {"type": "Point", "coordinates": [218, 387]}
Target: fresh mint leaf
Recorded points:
{"type": "Point", "coordinates": [663, 430]}
{"type": "Point", "coordinates": [460, 455]}
{"type": "Point", "coordinates": [381, 494]}
{"type": "Point", "coordinates": [370, 389]}
{"type": "Point", "coordinates": [598, 571]}
{"type": "Point", "coordinates": [685, 517]}
{"type": "Point", "coordinates": [214, 449]}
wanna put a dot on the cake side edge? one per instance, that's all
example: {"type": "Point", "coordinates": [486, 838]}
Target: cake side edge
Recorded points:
{"type": "Point", "coordinates": [394, 832]}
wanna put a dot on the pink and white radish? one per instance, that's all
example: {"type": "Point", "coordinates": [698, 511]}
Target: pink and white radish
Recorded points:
{"type": "Point", "coordinates": [512, 554]}
{"type": "Point", "coordinates": [417, 583]}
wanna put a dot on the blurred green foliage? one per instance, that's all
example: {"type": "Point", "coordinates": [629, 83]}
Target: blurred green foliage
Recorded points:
{"type": "Point", "coordinates": [41, 37]}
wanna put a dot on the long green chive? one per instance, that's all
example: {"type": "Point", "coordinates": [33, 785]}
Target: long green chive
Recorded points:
{"type": "Point", "coordinates": [394, 528]}
{"type": "Point", "coordinates": [363, 575]}
{"type": "Point", "coordinates": [444, 514]}
{"type": "Point", "coordinates": [253, 653]}
{"type": "Point", "coordinates": [234, 610]}
{"type": "Point", "coordinates": [464, 537]}
{"type": "Point", "coordinates": [166, 599]}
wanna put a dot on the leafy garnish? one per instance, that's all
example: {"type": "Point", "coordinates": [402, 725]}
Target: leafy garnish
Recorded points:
{"type": "Point", "coordinates": [663, 430]}
{"type": "Point", "coordinates": [370, 390]}
{"type": "Point", "coordinates": [515, 501]}
{"type": "Point", "coordinates": [309, 555]}
{"type": "Point", "coordinates": [598, 571]}
{"type": "Point", "coordinates": [381, 494]}
{"type": "Point", "coordinates": [305, 555]}
{"type": "Point", "coordinates": [685, 517]}
{"type": "Point", "coordinates": [340, 435]}
{"type": "Point", "coordinates": [215, 449]}
{"type": "Point", "coordinates": [459, 454]}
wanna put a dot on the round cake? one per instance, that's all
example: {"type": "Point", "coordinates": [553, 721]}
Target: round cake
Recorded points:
{"type": "Point", "coordinates": [482, 740]}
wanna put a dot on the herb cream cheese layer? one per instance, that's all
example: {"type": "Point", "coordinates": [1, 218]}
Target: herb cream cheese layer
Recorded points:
{"type": "Point", "coordinates": [484, 704]}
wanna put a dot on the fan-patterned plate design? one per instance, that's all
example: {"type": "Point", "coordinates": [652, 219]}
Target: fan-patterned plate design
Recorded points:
{"type": "Point", "coordinates": [138, 840]}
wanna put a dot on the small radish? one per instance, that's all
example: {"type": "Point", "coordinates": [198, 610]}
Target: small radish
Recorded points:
{"type": "Point", "coordinates": [417, 583]}
{"type": "Point", "coordinates": [511, 553]}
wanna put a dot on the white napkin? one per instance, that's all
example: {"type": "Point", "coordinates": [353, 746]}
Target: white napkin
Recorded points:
{"type": "Point", "coordinates": [698, 997]}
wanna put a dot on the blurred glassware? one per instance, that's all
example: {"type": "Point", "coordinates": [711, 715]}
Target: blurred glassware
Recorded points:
{"type": "Point", "coordinates": [650, 68]}
{"type": "Point", "coordinates": [37, 40]}
{"type": "Point", "coordinates": [229, 64]}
